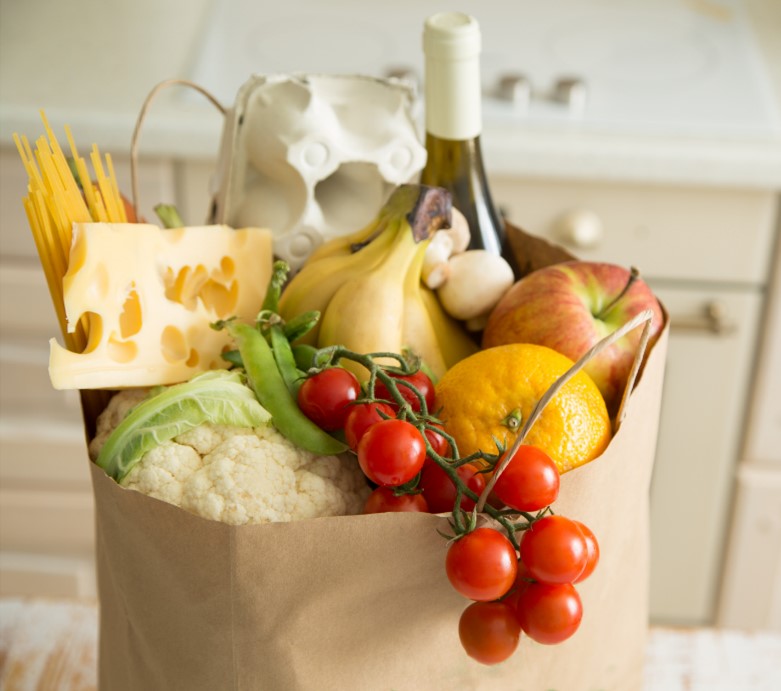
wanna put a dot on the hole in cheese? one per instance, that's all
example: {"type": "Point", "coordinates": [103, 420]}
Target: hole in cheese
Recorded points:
{"type": "Point", "coordinates": [194, 358]}
{"type": "Point", "coordinates": [227, 270]}
{"type": "Point", "coordinates": [173, 345]}
{"type": "Point", "coordinates": [121, 351]}
{"type": "Point", "coordinates": [219, 299]}
{"type": "Point", "coordinates": [94, 331]}
{"type": "Point", "coordinates": [130, 320]}
{"type": "Point", "coordinates": [185, 286]}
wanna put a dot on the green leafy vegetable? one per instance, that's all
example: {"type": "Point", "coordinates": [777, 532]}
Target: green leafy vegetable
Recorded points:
{"type": "Point", "coordinates": [219, 397]}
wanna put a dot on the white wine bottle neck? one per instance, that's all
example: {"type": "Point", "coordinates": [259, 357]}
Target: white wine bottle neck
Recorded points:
{"type": "Point", "coordinates": [451, 43]}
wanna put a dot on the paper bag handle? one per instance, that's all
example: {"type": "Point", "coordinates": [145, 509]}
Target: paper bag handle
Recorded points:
{"type": "Point", "coordinates": [142, 117]}
{"type": "Point", "coordinates": [645, 317]}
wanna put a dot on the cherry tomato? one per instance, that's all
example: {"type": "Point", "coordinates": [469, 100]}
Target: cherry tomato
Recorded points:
{"type": "Point", "coordinates": [391, 452]}
{"type": "Point", "coordinates": [439, 444]}
{"type": "Point", "coordinates": [522, 579]}
{"type": "Point", "coordinates": [482, 565]}
{"type": "Point", "coordinates": [439, 490]}
{"type": "Point", "coordinates": [493, 500]}
{"type": "Point", "coordinates": [529, 482]}
{"type": "Point", "coordinates": [421, 381]}
{"type": "Point", "coordinates": [382, 500]}
{"type": "Point", "coordinates": [489, 631]}
{"type": "Point", "coordinates": [554, 550]}
{"type": "Point", "coordinates": [593, 551]}
{"type": "Point", "coordinates": [549, 612]}
{"type": "Point", "coordinates": [360, 417]}
{"type": "Point", "coordinates": [325, 397]}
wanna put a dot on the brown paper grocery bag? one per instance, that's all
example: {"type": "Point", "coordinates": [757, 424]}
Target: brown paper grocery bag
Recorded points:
{"type": "Point", "coordinates": [361, 602]}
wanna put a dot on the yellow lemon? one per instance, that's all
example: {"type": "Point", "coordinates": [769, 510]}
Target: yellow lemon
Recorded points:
{"type": "Point", "coordinates": [484, 397]}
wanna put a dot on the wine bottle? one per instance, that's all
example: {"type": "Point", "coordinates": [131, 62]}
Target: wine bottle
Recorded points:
{"type": "Point", "coordinates": [451, 44]}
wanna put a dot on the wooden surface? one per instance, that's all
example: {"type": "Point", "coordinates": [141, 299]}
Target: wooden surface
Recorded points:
{"type": "Point", "coordinates": [50, 645]}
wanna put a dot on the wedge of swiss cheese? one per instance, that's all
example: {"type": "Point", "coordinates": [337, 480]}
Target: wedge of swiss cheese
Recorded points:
{"type": "Point", "coordinates": [149, 296]}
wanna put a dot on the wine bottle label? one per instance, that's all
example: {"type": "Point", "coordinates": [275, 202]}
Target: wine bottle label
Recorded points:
{"type": "Point", "coordinates": [451, 43]}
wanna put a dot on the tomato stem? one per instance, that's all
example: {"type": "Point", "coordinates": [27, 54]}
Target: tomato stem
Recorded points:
{"type": "Point", "coordinates": [462, 522]}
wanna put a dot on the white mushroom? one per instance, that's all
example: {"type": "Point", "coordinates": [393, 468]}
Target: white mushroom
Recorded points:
{"type": "Point", "coordinates": [458, 231]}
{"type": "Point", "coordinates": [435, 270]}
{"type": "Point", "coordinates": [478, 280]}
{"type": "Point", "coordinates": [445, 243]}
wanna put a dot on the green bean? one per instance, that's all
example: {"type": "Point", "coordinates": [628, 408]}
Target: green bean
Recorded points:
{"type": "Point", "coordinates": [278, 277]}
{"type": "Point", "coordinates": [301, 324]}
{"type": "Point", "coordinates": [233, 357]}
{"type": "Point", "coordinates": [286, 363]}
{"type": "Point", "coordinates": [304, 355]}
{"type": "Point", "coordinates": [274, 396]}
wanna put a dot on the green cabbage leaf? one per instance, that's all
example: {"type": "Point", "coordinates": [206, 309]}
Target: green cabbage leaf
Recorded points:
{"type": "Point", "coordinates": [219, 397]}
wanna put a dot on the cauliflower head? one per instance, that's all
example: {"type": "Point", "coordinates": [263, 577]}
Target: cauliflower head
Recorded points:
{"type": "Point", "coordinates": [238, 475]}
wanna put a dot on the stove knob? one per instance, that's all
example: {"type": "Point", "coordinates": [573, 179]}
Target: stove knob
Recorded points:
{"type": "Point", "coordinates": [517, 89]}
{"type": "Point", "coordinates": [572, 92]}
{"type": "Point", "coordinates": [580, 228]}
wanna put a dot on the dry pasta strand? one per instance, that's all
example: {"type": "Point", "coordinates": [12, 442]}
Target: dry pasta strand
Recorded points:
{"type": "Point", "coordinates": [54, 202]}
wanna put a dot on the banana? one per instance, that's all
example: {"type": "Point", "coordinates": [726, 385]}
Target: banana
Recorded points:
{"type": "Point", "coordinates": [347, 244]}
{"type": "Point", "coordinates": [417, 331]}
{"type": "Point", "coordinates": [423, 209]}
{"type": "Point", "coordinates": [313, 287]}
{"type": "Point", "coordinates": [366, 314]}
{"type": "Point", "coordinates": [352, 242]}
{"type": "Point", "coordinates": [454, 342]}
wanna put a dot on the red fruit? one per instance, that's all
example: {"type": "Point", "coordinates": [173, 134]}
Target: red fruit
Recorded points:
{"type": "Point", "coordinates": [489, 631]}
{"type": "Point", "coordinates": [482, 565]}
{"type": "Point", "coordinates": [383, 500]}
{"type": "Point", "coordinates": [549, 613]}
{"type": "Point", "coordinates": [439, 490]}
{"type": "Point", "coordinates": [554, 550]}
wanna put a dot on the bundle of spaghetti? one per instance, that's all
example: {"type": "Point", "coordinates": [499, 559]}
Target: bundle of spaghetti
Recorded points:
{"type": "Point", "coordinates": [55, 201]}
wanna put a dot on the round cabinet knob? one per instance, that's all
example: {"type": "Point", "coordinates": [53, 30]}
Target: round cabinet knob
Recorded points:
{"type": "Point", "coordinates": [580, 228]}
{"type": "Point", "coordinates": [572, 92]}
{"type": "Point", "coordinates": [515, 88]}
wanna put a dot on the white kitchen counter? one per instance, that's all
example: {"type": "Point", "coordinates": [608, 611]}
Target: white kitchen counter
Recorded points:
{"type": "Point", "coordinates": [91, 65]}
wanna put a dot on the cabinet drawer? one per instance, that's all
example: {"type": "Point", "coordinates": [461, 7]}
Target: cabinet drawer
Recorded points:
{"type": "Point", "coordinates": [25, 304]}
{"type": "Point", "coordinates": [751, 592]}
{"type": "Point", "coordinates": [24, 575]}
{"type": "Point", "coordinates": [50, 522]}
{"type": "Point", "coordinates": [43, 453]}
{"type": "Point", "coordinates": [26, 388]}
{"type": "Point", "coordinates": [702, 418]}
{"type": "Point", "coordinates": [668, 233]}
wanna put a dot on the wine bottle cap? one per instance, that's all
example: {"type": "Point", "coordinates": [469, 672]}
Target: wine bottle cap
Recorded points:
{"type": "Point", "coordinates": [451, 36]}
{"type": "Point", "coordinates": [451, 43]}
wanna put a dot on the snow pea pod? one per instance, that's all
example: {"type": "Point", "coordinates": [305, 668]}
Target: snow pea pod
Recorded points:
{"type": "Point", "coordinates": [274, 396]}
{"type": "Point", "coordinates": [286, 363]}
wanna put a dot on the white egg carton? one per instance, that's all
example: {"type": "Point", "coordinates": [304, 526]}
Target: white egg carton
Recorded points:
{"type": "Point", "coordinates": [314, 156]}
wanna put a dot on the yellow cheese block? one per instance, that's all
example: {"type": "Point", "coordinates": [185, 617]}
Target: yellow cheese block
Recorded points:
{"type": "Point", "coordinates": [149, 295]}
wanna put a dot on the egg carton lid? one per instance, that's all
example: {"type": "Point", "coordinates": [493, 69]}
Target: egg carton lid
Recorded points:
{"type": "Point", "coordinates": [313, 156]}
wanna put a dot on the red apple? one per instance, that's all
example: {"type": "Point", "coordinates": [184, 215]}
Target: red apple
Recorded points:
{"type": "Point", "coordinates": [571, 306]}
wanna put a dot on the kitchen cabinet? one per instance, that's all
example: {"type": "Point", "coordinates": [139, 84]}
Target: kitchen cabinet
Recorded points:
{"type": "Point", "coordinates": [707, 254]}
{"type": "Point", "coordinates": [751, 592]}
{"type": "Point", "coordinates": [692, 203]}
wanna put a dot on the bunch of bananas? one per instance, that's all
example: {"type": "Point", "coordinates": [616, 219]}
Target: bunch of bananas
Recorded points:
{"type": "Point", "coordinates": [367, 286]}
